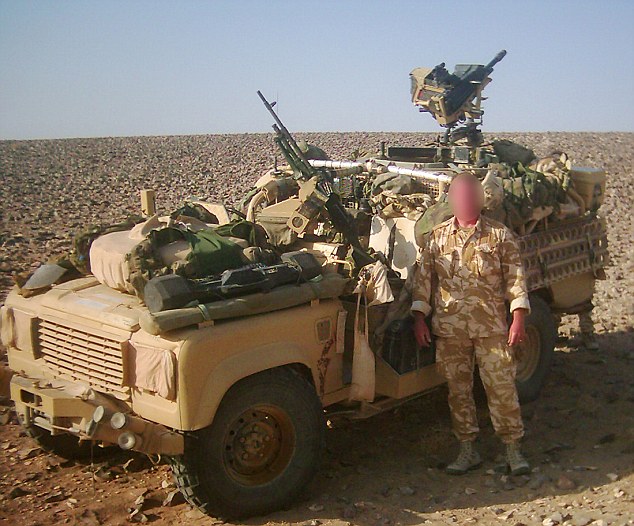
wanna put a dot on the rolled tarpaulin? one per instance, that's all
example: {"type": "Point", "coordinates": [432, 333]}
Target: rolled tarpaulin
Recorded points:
{"type": "Point", "coordinates": [330, 286]}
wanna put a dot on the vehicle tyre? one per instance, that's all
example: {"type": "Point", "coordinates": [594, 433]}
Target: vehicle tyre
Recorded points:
{"type": "Point", "coordinates": [261, 450]}
{"type": "Point", "coordinates": [68, 446]}
{"type": "Point", "coordinates": [535, 355]}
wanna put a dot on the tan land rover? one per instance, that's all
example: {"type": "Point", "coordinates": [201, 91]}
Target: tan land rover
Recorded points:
{"type": "Point", "coordinates": [235, 385]}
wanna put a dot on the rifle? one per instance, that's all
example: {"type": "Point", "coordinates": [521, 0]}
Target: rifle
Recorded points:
{"type": "Point", "coordinates": [323, 196]}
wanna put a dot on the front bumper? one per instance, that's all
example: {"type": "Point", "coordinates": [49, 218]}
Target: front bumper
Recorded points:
{"type": "Point", "coordinates": [76, 409]}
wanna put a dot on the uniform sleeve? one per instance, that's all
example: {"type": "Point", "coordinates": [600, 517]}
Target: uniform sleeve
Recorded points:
{"type": "Point", "coordinates": [515, 289]}
{"type": "Point", "coordinates": [421, 288]}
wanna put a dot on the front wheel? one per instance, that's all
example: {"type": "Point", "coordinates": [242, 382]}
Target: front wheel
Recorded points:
{"type": "Point", "coordinates": [535, 355]}
{"type": "Point", "coordinates": [261, 450]}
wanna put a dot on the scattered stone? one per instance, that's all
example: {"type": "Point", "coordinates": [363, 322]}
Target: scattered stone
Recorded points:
{"type": "Point", "coordinates": [136, 463]}
{"type": "Point", "coordinates": [349, 512]}
{"type": "Point", "coordinates": [501, 468]}
{"type": "Point", "coordinates": [491, 483]}
{"type": "Point", "coordinates": [31, 477]}
{"type": "Point", "coordinates": [618, 493]}
{"type": "Point", "coordinates": [316, 508]}
{"type": "Point", "coordinates": [580, 519]}
{"type": "Point", "coordinates": [165, 484]}
{"type": "Point", "coordinates": [140, 500]}
{"type": "Point", "coordinates": [17, 492]}
{"type": "Point", "coordinates": [174, 498]}
{"type": "Point", "coordinates": [89, 518]}
{"type": "Point", "coordinates": [470, 491]}
{"type": "Point", "coordinates": [6, 416]}
{"type": "Point", "coordinates": [57, 496]}
{"type": "Point", "coordinates": [407, 491]}
{"type": "Point", "coordinates": [613, 477]}
{"type": "Point", "coordinates": [196, 514]}
{"type": "Point", "coordinates": [558, 446]}
{"type": "Point", "coordinates": [607, 439]}
{"type": "Point", "coordinates": [32, 452]}
{"type": "Point", "coordinates": [507, 483]}
{"type": "Point", "coordinates": [104, 474]}
{"type": "Point", "coordinates": [537, 481]}
{"type": "Point", "coordinates": [565, 483]}
{"type": "Point", "coordinates": [137, 515]}
{"type": "Point", "coordinates": [506, 515]}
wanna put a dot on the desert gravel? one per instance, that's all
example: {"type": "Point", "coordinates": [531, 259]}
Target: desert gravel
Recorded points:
{"type": "Point", "coordinates": [384, 471]}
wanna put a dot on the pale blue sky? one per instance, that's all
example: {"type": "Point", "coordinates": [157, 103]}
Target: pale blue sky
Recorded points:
{"type": "Point", "coordinates": [111, 68]}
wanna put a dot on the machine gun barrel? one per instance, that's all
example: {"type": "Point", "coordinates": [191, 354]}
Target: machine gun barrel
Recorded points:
{"type": "Point", "coordinates": [496, 59]}
{"type": "Point", "coordinates": [339, 216]}
{"type": "Point", "coordinates": [291, 150]}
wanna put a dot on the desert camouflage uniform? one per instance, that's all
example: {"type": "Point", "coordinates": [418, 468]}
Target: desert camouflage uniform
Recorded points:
{"type": "Point", "coordinates": [465, 277]}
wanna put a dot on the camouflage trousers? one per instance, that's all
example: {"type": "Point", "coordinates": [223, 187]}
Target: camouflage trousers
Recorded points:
{"type": "Point", "coordinates": [456, 358]}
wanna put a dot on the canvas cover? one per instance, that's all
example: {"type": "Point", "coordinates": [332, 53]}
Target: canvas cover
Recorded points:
{"type": "Point", "coordinates": [152, 369]}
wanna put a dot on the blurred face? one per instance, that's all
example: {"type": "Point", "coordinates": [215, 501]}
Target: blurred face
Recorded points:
{"type": "Point", "coordinates": [466, 198]}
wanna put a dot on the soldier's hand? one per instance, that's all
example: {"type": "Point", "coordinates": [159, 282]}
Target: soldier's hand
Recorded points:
{"type": "Point", "coordinates": [517, 331]}
{"type": "Point", "coordinates": [421, 330]}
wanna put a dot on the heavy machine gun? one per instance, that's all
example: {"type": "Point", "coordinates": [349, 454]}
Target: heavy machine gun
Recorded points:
{"type": "Point", "coordinates": [316, 191]}
{"type": "Point", "coordinates": [454, 98]}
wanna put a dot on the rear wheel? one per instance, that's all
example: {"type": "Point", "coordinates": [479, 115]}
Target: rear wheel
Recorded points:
{"type": "Point", "coordinates": [261, 450]}
{"type": "Point", "coordinates": [534, 356]}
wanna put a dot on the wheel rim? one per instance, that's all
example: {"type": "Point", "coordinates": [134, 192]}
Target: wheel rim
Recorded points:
{"type": "Point", "coordinates": [528, 353]}
{"type": "Point", "coordinates": [259, 445]}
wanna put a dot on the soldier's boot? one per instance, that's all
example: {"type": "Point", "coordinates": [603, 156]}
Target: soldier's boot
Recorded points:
{"type": "Point", "coordinates": [516, 461]}
{"type": "Point", "coordinates": [468, 459]}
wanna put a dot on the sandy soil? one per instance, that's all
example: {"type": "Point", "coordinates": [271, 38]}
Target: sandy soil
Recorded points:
{"type": "Point", "coordinates": [383, 471]}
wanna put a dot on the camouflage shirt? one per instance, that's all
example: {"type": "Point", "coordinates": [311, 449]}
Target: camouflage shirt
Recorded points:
{"type": "Point", "coordinates": [465, 276]}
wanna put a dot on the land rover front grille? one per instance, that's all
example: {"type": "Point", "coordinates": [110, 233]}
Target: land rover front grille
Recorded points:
{"type": "Point", "coordinates": [85, 355]}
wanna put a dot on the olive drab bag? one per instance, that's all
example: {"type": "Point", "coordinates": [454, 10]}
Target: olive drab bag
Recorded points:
{"type": "Point", "coordinates": [434, 215]}
{"type": "Point", "coordinates": [212, 252]}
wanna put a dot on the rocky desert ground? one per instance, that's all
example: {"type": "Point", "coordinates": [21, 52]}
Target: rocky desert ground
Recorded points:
{"type": "Point", "coordinates": [383, 471]}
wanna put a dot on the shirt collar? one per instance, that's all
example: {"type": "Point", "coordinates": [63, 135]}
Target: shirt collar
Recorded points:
{"type": "Point", "coordinates": [455, 226]}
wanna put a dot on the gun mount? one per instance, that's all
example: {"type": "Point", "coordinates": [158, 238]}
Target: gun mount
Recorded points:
{"type": "Point", "coordinates": [317, 192]}
{"type": "Point", "coordinates": [454, 99]}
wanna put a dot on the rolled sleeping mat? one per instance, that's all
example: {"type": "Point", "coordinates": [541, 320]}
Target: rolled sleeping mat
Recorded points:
{"type": "Point", "coordinates": [329, 286]}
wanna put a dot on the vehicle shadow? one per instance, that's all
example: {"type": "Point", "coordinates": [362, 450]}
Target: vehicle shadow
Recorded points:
{"type": "Point", "coordinates": [390, 468]}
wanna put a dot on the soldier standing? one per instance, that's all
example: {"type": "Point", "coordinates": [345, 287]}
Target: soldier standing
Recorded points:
{"type": "Point", "coordinates": [470, 267]}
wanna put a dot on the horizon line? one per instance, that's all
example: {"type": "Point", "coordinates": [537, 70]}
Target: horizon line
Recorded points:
{"type": "Point", "coordinates": [422, 132]}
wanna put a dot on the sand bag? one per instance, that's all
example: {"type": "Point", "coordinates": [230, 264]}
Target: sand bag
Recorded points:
{"type": "Point", "coordinates": [363, 364]}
